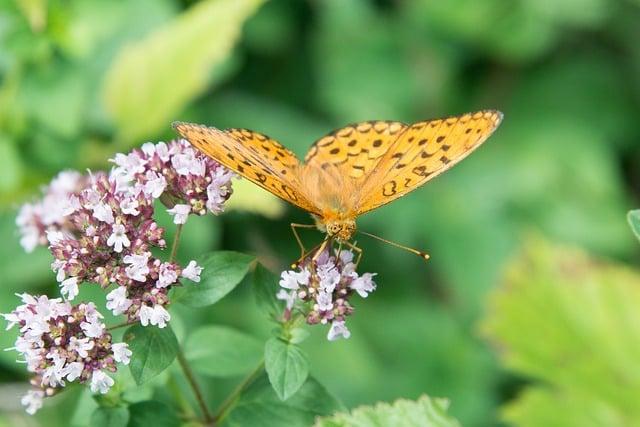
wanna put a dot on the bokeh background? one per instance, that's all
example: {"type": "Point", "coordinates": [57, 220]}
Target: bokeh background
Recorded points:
{"type": "Point", "coordinates": [83, 79]}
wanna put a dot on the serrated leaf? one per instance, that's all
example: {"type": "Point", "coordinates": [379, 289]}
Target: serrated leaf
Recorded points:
{"type": "Point", "coordinates": [259, 406]}
{"type": "Point", "coordinates": [569, 321]}
{"type": "Point", "coordinates": [633, 217]}
{"type": "Point", "coordinates": [425, 412]}
{"type": "Point", "coordinates": [222, 271]}
{"type": "Point", "coordinates": [153, 349]}
{"type": "Point", "coordinates": [265, 287]}
{"type": "Point", "coordinates": [222, 351]}
{"type": "Point", "coordinates": [110, 417]}
{"type": "Point", "coordinates": [287, 367]}
{"type": "Point", "coordinates": [152, 413]}
{"type": "Point", "coordinates": [150, 81]}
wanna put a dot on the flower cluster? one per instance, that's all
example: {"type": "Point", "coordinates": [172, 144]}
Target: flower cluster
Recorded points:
{"type": "Point", "coordinates": [189, 182]}
{"type": "Point", "coordinates": [35, 219]}
{"type": "Point", "coordinates": [322, 286]}
{"type": "Point", "coordinates": [110, 243]}
{"type": "Point", "coordinates": [62, 342]}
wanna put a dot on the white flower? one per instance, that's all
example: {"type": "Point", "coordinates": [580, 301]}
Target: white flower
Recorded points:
{"type": "Point", "coordinates": [128, 165]}
{"type": "Point", "coordinates": [156, 315]}
{"type": "Point", "coordinates": [167, 275]}
{"type": "Point", "coordinates": [288, 297]}
{"type": "Point", "coordinates": [324, 301]}
{"type": "Point", "coordinates": [71, 205]}
{"type": "Point", "coordinates": [29, 239]}
{"type": "Point", "coordinates": [187, 163]}
{"type": "Point", "coordinates": [138, 267]}
{"type": "Point", "coordinates": [92, 329]}
{"type": "Point", "coordinates": [101, 382]}
{"type": "Point", "coordinates": [117, 300]}
{"type": "Point", "coordinates": [345, 256]}
{"type": "Point", "coordinates": [219, 189]}
{"type": "Point", "coordinates": [54, 237]}
{"type": "Point", "coordinates": [91, 313]}
{"type": "Point", "coordinates": [118, 238]}
{"type": "Point", "coordinates": [155, 184]}
{"type": "Point", "coordinates": [69, 288]}
{"type": "Point", "coordinates": [65, 182]}
{"type": "Point", "coordinates": [163, 151]}
{"type": "Point", "coordinates": [80, 346]}
{"type": "Point", "coordinates": [338, 329]}
{"type": "Point", "coordinates": [329, 276]}
{"type": "Point", "coordinates": [180, 213]}
{"type": "Point", "coordinates": [121, 352]}
{"type": "Point", "coordinates": [364, 284]}
{"type": "Point", "coordinates": [73, 370]}
{"type": "Point", "coordinates": [129, 206]}
{"type": "Point", "coordinates": [102, 212]}
{"type": "Point", "coordinates": [293, 279]}
{"type": "Point", "coordinates": [32, 401]}
{"type": "Point", "coordinates": [54, 375]}
{"type": "Point", "coordinates": [192, 271]}
{"type": "Point", "coordinates": [148, 148]}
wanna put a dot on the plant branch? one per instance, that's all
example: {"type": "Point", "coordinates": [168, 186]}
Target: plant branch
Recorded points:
{"type": "Point", "coordinates": [174, 245]}
{"type": "Point", "coordinates": [236, 392]}
{"type": "Point", "coordinates": [120, 325]}
{"type": "Point", "coordinates": [186, 369]}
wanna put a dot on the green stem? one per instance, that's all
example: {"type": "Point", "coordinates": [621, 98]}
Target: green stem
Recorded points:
{"type": "Point", "coordinates": [174, 246]}
{"type": "Point", "coordinates": [119, 325]}
{"type": "Point", "coordinates": [186, 369]}
{"type": "Point", "coordinates": [221, 412]}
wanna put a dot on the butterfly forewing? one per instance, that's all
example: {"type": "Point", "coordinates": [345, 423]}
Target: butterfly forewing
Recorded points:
{"type": "Point", "coordinates": [423, 151]}
{"type": "Point", "coordinates": [355, 149]}
{"type": "Point", "coordinates": [252, 155]}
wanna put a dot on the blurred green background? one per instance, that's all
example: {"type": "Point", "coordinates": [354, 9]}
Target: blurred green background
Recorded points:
{"type": "Point", "coordinates": [83, 79]}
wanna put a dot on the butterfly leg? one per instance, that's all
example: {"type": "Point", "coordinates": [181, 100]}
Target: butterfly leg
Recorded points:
{"type": "Point", "coordinates": [294, 226]}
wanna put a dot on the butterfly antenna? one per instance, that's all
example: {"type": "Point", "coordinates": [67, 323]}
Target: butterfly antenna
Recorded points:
{"type": "Point", "coordinates": [421, 254]}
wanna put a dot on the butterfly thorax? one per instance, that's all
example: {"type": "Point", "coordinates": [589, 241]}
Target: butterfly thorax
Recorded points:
{"type": "Point", "coordinates": [340, 228]}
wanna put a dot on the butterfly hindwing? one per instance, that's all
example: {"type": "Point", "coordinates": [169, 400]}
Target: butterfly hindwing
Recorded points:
{"type": "Point", "coordinates": [355, 149]}
{"type": "Point", "coordinates": [252, 155]}
{"type": "Point", "coordinates": [422, 152]}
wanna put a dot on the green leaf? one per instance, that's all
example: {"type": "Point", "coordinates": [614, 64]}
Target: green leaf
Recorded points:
{"type": "Point", "coordinates": [265, 287]}
{"type": "Point", "coordinates": [221, 351]}
{"type": "Point", "coordinates": [110, 417]}
{"type": "Point", "coordinates": [152, 413]}
{"type": "Point", "coordinates": [569, 322]}
{"type": "Point", "coordinates": [286, 365]}
{"type": "Point", "coordinates": [222, 271]}
{"type": "Point", "coordinates": [153, 350]}
{"type": "Point", "coordinates": [259, 406]}
{"type": "Point", "coordinates": [152, 80]}
{"type": "Point", "coordinates": [425, 412]}
{"type": "Point", "coordinates": [633, 217]}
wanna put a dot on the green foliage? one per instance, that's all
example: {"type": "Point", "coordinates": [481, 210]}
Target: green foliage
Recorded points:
{"type": "Point", "coordinates": [425, 412]}
{"type": "Point", "coordinates": [110, 417]}
{"type": "Point", "coordinates": [153, 350]}
{"type": "Point", "coordinates": [286, 365]}
{"type": "Point", "coordinates": [633, 218]}
{"type": "Point", "coordinates": [265, 286]}
{"type": "Point", "coordinates": [223, 271]}
{"type": "Point", "coordinates": [151, 81]}
{"type": "Point", "coordinates": [569, 322]}
{"type": "Point", "coordinates": [259, 406]}
{"type": "Point", "coordinates": [152, 413]}
{"type": "Point", "coordinates": [222, 351]}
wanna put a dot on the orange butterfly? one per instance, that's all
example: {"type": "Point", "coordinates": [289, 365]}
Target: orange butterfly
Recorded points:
{"type": "Point", "coordinates": [351, 171]}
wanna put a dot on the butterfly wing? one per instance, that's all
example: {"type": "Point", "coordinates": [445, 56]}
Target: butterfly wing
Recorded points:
{"type": "Point", "coordinates": [356, 149]}
{"type": "Point", "coordinates": [254, 156]}
{"type": "Point", "coordinates": [423, 151]}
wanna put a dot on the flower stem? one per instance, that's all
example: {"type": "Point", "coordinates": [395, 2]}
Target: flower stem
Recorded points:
{"type": "Point", "coordinates": [221, 412]}
{"type": "Point", "coordinates": [186, 369]}
{"type": "Point", "coordinates": [120, 325]}
{"type": "Point", "coordinates": [174, 245]}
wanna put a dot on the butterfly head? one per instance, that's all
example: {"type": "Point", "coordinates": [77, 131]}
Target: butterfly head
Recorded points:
{"type": "Point", "coordinates": [341, 229]}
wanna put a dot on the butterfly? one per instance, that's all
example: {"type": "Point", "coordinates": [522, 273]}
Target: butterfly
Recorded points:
{"type": "Point", "coordinates": [352, 170]}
